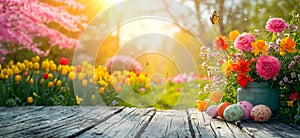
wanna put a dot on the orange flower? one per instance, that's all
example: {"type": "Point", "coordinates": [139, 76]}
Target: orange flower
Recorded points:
{"type": "Point", "coordinates": [29, 100]}
{"type": "Point", "coordinates": [202, 105]}
{"type": "Point", "coordinates": [243, 79]}
{"type": "Point", "coordinates": [221, 43]}
{"type": "Point", "coordinates": [101, 90]}
{"type": "Point", "coordinates": [259, 46]}
{"type": "Point", "coordinates": [84, 83]}
{"type": "Point", "coordinates": [233, 35]}
{"type": "Point", "coordinates": [241, 66]}
{"type": "Point", "coordinates": [287, 45]}
{"type": "Point", "coordinates": [227, 67]}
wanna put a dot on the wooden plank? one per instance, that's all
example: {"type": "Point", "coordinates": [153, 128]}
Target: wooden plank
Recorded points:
{"type": "Point", "coordinates": [200, 124]}
{"type": "Point", "coordinates": [220, 128]}
{"type": "Point", "coordinates": [236, 131]}
{"type": "Point", "coordinates": [3, 108]}
{"type": "Point", "coordinates": [282, 129]}
{"type": "Point", "coordinates": [74, 125]}
{"type": "Point", "coordinates": [37, 118]}
{"type": "Point", "coordinates": [12, 112]}
{"type": "Point", "coordinates": [257, 130]}
{"type": "Point", "coordinates": [168, 123]}
{"type": "Point", "coordinates": [128, 123]}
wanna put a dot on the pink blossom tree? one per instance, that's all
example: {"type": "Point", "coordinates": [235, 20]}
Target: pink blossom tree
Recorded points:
{"type": "Point", "coordinates": [21, 21]}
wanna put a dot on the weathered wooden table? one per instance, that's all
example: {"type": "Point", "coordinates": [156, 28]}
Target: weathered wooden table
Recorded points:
{"type": "Point", "coordinates": [101, 121]}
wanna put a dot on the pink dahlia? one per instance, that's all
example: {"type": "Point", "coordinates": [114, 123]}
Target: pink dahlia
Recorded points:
{"type": "Point", "coordinates": [276, 25]}
{"type": "Point", "coordinates": [267, 67]}
{"type": "Point", "coordinates": [243, 42]}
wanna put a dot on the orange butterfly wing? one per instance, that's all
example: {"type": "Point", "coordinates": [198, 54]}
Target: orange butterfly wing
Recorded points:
{"type": "Point", "coordinates": [214, 18]}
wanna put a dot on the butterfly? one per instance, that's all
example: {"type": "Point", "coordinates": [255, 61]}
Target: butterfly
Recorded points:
{"type": "Point", "coordinates": [214, 18]}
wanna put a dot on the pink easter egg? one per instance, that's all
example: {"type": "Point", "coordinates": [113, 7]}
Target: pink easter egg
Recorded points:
{"type": "Point", "coordinates": [260, 113]}
{"type": "Point", "coordinates": [212, 111]}
{"type": "Point", "coordinates": [246, 106]}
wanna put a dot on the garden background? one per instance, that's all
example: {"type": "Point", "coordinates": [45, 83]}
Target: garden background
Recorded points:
{"type": "Point", "coordinates": [45, 70]}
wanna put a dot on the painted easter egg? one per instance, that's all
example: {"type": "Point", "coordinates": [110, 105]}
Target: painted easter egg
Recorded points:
{"type": "Point", "coordinates": [221, 108]}
{"type": "Point", "coordinates": [260, 113]}
{"type": "Point", "coordinates": [246, 106]}
{"type": "Point", "coordinates": [212, 111]}
{"type": "Point", "coordinates": [233, 113]}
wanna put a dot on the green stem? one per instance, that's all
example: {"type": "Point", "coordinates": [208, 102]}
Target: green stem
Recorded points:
{"type": "Point", "coordinates": [267, 35]}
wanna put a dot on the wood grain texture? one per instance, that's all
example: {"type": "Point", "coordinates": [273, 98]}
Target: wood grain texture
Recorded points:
{"type": "Point", "coordinates": [200, 124]}
{"type": "Point", "coordinates": [128, 123]}
{"type": "Point", "coordinates": [168, 123]}
{"type": "Point", "coordinates": [102, 121]}
{"type": "Point", "coordinates": [257, 130]}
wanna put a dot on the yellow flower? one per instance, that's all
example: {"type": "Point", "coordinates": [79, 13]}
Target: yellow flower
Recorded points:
{"type": "Point", "coordinates": [50, 84]}
{"type": "Point", "coordinates": [85, 64]}
{"type": "Point", "coordinates": [233, 35]}
{"type": "Point", "coordinates": [59, 68]}
{"type": "Point", "coordinates": [50, 75]}
{"type": "Point", "coordinates": [95, 78]}
{"type": "Point", "coordinates": [35, 59]}
{"type": "Point", "coordinates": [102, 82]}
{"type": "Point", "coordinates": [72, 76]}
{"type": "Point", "coordinates": [36, 65]}
{"type": "Point", "coordinates": [64, 72]}
{"type": "Point", "coordinates": [78, 99]}
{"type": "Point", "coordinates": [227, 67]}
{"type": "Point", "coordinates": [58, 83]}
{"type": "Point", "coordinates": [10, 72]}
{"type": "Point", "coordinates": [147, 86]}
{"type": "Point", "coordinates": [45, 65]}
{"type": "Point", "coordinates": [81, 76]}
{"type": "Point", "coordinates": [29, 100]}
{"type": "Point", "coordinates": [29, 65]}
{"type": "Point", "coordinates": [18, 78]}
{"type": "Point", "coordinates": [31, 81]}
{"type": "Point", "coordinates": [53, 67]}
{"type": "Point", "coordinates": [259, 46]}
{"type": "Point", "coordinates": [22, 66]}
{"type": "Point", "coordinates": [287, 45]}
{"type": "Point", "coordinates": [93, 97]}
{"type": "Point", "coordinates": [71, 68]}
{"type": "Point", "coordinates": [16, 70]}
{"type": "Point", "coordinates": [4, 71]}
{"type": "Point", "coordinates": [11, 62]}
{"type": "Point", "coordinates": [0, 67]}
{"type": "Point", "coordinates": [84, 83]}
{"type": "Point", "coordinates": [290, 103]}
{"type": "Point", "coordinates": [141, 77]}
{"type": "Point", "coordinates": [2, 76]}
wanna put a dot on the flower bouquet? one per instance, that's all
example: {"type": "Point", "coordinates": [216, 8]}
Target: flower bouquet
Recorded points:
{"type": "Point", "coordinates": [272, 56]}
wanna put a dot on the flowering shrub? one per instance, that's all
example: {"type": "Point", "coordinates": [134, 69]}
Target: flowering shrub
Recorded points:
{"type": "Point", "coordinates": [273, 57]}
{"type": "Point", "coordinates": [122, 62]}
{"type": "Point", "coordinates": [23, 21]}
